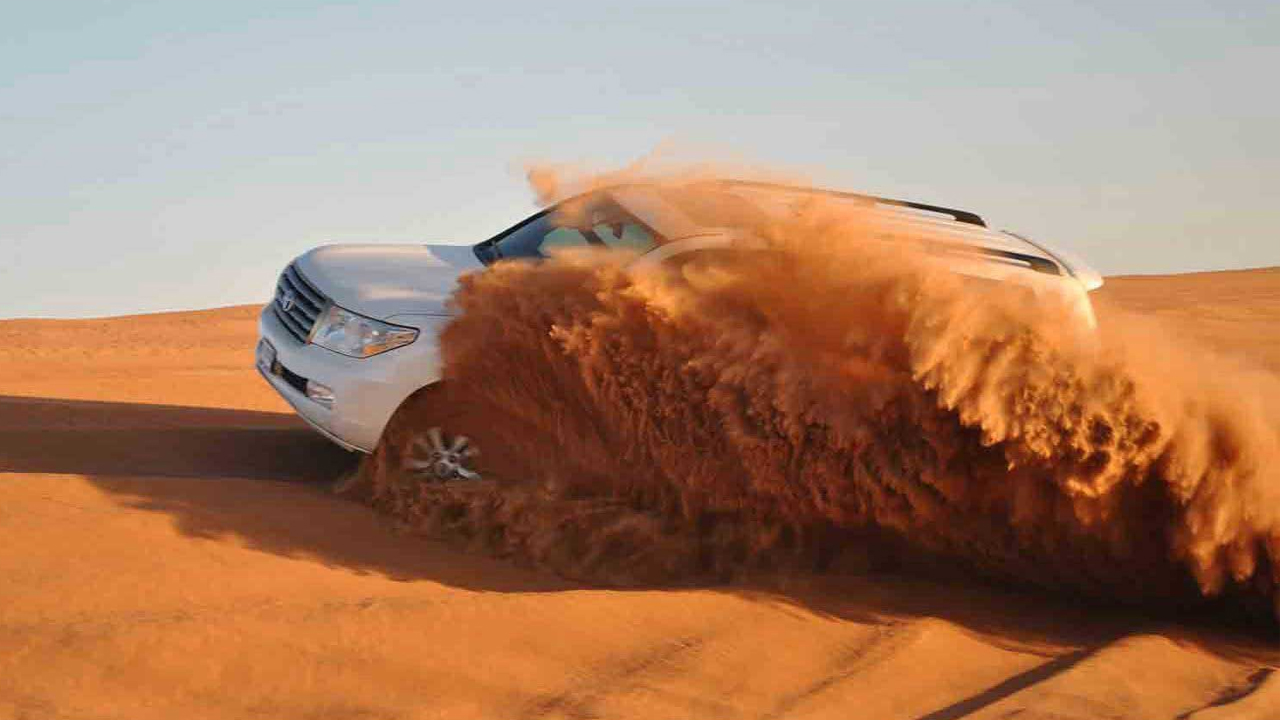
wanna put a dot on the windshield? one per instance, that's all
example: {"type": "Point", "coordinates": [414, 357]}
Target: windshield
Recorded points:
{"type": "Point", "coordinates": [599, 221]}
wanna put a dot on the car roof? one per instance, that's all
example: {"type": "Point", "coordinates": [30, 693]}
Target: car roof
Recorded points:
{"type": "Point", "coordinates": [934, 223]}
{"type": "Point", "coordinates": [961, 216]}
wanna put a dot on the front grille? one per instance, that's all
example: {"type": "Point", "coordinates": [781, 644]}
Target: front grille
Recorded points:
{"type": "Point", "coordinates": [297, 303]}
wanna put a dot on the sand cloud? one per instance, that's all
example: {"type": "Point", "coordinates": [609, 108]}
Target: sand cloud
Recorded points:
{"type": "Point", "coordinates": [840, 396]}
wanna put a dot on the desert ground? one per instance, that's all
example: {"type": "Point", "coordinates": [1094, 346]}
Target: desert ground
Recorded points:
{"type": "Point", "coordinates": [169, 549]}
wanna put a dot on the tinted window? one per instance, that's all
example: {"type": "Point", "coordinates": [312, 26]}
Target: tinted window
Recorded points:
{"type": "Point", "coordinates": [602, 223]}
{"type": "Point", "coordinates": [529, 239]}
{"type": "Point", "coordinates": [627, 235]}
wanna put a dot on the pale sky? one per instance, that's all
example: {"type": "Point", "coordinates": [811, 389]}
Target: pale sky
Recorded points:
{"type": "Point", "coordinates": [173, 155]}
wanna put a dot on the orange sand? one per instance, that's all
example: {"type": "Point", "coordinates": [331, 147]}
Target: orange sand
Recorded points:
{"type": "Point", "coordinates": [168, 550]}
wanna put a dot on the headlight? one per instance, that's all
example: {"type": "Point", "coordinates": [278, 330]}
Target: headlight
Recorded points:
{"type": "Point", "coordinates": [343, 331]}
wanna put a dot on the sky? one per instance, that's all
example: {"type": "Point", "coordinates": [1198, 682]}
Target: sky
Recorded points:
{"type": "Point", "coordinates": [175, 155]}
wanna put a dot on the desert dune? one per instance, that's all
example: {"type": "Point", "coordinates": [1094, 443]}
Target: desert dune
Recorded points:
{"type": "Point", "coordinates": [169, 549]}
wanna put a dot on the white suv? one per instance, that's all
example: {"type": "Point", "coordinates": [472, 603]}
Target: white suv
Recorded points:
{"type": "Point", "coordinates": [352, 330]}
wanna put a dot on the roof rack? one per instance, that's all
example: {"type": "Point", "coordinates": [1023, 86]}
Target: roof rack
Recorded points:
{"type": "Point", "coordinates": [963, 216]}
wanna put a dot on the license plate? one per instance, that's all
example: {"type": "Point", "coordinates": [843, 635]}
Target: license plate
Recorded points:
{"type": "Point", "coordinates": [266, 356]}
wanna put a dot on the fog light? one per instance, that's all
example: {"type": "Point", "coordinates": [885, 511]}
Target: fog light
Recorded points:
{"type": "Point", "coordinates": [319, 393]}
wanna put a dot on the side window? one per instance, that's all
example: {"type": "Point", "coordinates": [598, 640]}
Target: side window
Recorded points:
{"type": "Point", "coordinates": [562, 237]}
{"type": "Point", "coordinates": [600, 221]}
{"type": "Point", "coordinates": [625, 235]}
{"type": "Point", "coordinates": [534, 238]}
{"type": "Point", "coordinates": [609, 225]}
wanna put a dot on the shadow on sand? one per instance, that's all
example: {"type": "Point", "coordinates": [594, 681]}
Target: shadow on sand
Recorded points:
{"type": "Point", "coordinates": [193, 464]}
{"type": "Point", "coordinates": [259, 476]}
{"type": "Point", "coordinates": [105, 438]}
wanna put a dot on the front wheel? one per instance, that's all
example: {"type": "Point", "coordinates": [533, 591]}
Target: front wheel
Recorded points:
{"type": "Point", "coordinates": [442, 456]}
{"type": "Point", "coordinates": [435, 436]}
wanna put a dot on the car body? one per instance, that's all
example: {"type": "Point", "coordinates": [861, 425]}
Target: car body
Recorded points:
{"type": "Point", "coordinates": [351, 331]}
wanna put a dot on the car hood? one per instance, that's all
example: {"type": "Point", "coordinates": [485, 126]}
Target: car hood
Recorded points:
{"type": "Point", "coordinates": [382, 281]}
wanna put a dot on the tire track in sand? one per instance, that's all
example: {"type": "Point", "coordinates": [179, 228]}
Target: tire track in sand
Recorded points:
{"type": "Point", "coordinates": [661, 660]}
{"type": "Point", "coordinates": [887, 641]}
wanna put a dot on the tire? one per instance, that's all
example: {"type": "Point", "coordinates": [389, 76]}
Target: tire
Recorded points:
{"type": "Point", "coordinates": [435, 436]}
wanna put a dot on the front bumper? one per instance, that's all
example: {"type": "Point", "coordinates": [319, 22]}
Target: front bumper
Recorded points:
{"type": "Point", "coordinates": [292, 399]}
{"type": "Point", "coordinates": [366, 391]}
